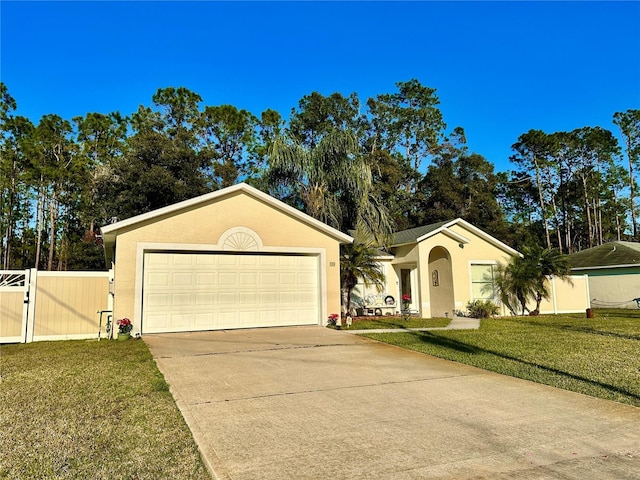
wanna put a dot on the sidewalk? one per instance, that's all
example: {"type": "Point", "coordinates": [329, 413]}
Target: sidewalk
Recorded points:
{"type": "Point", "coordinates": [457, 323]}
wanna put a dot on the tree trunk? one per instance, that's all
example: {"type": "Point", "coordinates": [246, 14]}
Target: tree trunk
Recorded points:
{"type": "Point", "coordinates": [53, 220]}
{"type": "Point", "coordinates": [542, 204]}
{"type": "Point", "coordinates": [39, 222]}
{"type": "Point", "coordinates": [587, 208]}
{"type": "Point", "coordinates": [632, 194]}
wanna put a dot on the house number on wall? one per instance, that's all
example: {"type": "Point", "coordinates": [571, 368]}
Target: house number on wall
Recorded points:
{"type": "Point", "coordinates": [332, 264]}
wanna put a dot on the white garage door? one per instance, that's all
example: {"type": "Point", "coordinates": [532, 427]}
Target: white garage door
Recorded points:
{"type": "Point", "coordinates": [203, 291]}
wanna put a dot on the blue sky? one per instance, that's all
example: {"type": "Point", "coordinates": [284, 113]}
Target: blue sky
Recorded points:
{"type": "Point", "coordinates": [500, 68]}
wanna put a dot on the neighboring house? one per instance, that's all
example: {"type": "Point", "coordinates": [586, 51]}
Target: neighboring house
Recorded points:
{"type": "Point", "coordinates": [614, 273]}
{"type": "Point", "coordinates": [234, 258]}
{"type": "Point", "coordinates": [441, 267]}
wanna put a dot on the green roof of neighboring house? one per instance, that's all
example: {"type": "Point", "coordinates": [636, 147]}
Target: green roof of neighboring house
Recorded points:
{"type": "Point", "coordinates": [612, 254]}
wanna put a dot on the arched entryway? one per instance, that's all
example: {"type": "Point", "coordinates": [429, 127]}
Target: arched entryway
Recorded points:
{"type": "Point", "coordinates": [440, 283]}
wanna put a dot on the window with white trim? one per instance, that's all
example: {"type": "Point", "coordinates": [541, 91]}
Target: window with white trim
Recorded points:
{"type": "Point", "coordinates": [483, 281]}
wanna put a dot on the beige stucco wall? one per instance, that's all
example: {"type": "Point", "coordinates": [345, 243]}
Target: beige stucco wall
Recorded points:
{"type": "Point", "coordinates": [203, 225]}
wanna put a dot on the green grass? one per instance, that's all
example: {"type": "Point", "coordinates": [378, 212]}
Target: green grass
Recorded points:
{"type": "Point", "coordinates": [598, 357]}
{"type": "Point", "coordinates": [88, 409]}
{"type": "Point", "coordinates": [370, 323]}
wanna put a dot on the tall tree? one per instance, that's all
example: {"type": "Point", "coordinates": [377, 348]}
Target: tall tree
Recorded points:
{"type": "Point", "coordinates": [162, 163]}
{"type": "Point", "coordinates": [56, 155]}
{"type": "Point", "coordinates": [101, 139]}
{"type": "Point", "coordinates": [13, 131]}
{"type": "Point", "coordinates": [229, 140]}
{"type": "Point", "coordinates": [533, 150]}
{"type": "Point", "coordinates": [408, 121]}
{"type": "Point", "coordinates": [629, 124]}
{"type": "Point", "coordinates": [318, 115]}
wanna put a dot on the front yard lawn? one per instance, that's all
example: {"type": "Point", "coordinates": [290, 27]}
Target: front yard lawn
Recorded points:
{"type": "Point", "coordinates": [598, 357]}
{"type": "Point", "coordinates": [369, 323]}
{"type": "Point", "coordinates": [88, 409]}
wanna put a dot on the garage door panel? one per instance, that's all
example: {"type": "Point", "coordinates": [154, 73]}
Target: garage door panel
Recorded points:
{"type": "Point", "coordinates": [205, 299]}
{"type": "Point", "coordinates": [248, 279]}
{"type": "Point", "coordinates": [268, 297]}
{"type": "Point", "coordinates": [159, 300]}
{"type": "Point", "coordinates": [158, 279]}
{"type": "Point", "coordinates": [190, 291]}
{"type": "Point", "coordinates": [228, 279]}
{"type": "Point", "coordinates": [208, 279]}
{"type": "Point", "coordinates": [182, 259]}
{"type": "Point", "coordinates": [227, 260]}
{"type": "Point", "coordinates": [182, 279]}
{"type": "Point", "coordinates": [181, 299]}
{"type": "Point", "coordinates": [248, 298]}
{"type": "Point", "coordinates": [205, 320]}
{"type": "Point", "coordinates": [307, 298]}
{"type": "Point", "coordinates": [287, 278]}
{"type": "Point", "coordinates": [227, 298]}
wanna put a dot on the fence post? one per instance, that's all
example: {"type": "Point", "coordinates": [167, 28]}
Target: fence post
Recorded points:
{"type": "Point", "coordinates": [553, 292]}
{"type": "Point", "coordinates": [31, 305]}
{"type": "Point", "coordinates": [25, 306]}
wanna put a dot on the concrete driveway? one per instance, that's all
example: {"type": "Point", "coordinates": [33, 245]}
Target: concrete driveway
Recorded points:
{"type": "Point", "coordinates": [313, 403]}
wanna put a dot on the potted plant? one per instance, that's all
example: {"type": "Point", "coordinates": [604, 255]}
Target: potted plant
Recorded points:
{"type": "Point", "coordinates": [333, 320]}
{"type": "Point", "coordinates": [124, 328]}
{"type": "Point", "coordinates": [406, 304]}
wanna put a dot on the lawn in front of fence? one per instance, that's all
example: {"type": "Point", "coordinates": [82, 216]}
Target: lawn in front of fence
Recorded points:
{"type": "Point", "coordinates": [89, 409]}
{"type": "Point", "coordinates": [596, 356]}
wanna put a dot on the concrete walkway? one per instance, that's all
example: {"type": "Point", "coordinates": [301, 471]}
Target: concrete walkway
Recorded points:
{"type": "Point", "coordinates": [456, 323]}
{"type": "Point", "coordinates": [314, 403]}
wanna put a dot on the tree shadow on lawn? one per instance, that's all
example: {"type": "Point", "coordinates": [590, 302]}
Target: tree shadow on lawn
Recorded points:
{"type": "Point", "coordinates": [428, 337]}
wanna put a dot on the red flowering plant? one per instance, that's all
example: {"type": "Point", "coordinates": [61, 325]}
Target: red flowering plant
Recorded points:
{"type": "Point", "coordinates": [124, 325]}
{"type": "Point", "coordinates": [333, 319]}
{"type": "Point", "coordinates": [406, 301]}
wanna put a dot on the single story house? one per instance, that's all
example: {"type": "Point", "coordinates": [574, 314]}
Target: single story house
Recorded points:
{"type": "Point", "coordinates": [234, 258]}
{"type": "Point", "coordinates": [614, 273]}
{"type": "Point", "coordinates": [440, 267]}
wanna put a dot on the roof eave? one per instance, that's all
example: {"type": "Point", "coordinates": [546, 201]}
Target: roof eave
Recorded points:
{"type": "Point", "coordinates": [601, 267]}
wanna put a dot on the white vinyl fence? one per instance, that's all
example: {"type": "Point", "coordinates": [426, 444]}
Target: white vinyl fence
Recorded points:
{"type": "Point", "coordinates": [37, 305]}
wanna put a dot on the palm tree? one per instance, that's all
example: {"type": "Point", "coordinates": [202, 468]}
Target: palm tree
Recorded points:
{"type": "Point", "coordinates": [548, 263]}
{"type": "Point", "coordinates": [526, 278]}
{"type": "Point", "coordinates": [331, 180]}
{"type": "Point", "coordinates": [359, 261]}
{"type": "Point", "coordinates": [514, 283]}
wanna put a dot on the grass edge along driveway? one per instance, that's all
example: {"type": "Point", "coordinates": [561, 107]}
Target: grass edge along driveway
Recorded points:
{"type": "Point", "coordinates": [87, 409]}
{"type": "Point", "coordinates": [598, 357]}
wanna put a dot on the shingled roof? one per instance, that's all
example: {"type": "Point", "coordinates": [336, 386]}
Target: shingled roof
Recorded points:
{"type": "Point", "coordinates": [418, 234]}
{"type": "Point", "coordinates": [612, 254]}
{"type": "Point", "coordinates": [413, 234]}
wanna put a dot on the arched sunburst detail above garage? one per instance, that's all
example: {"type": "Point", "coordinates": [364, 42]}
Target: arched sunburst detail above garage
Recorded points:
{"type": "Point", "coordinates": [240, 239]}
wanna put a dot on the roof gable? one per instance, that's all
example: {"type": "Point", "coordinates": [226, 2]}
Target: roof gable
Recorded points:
{"type": "Point", "coordinates": [418, 234]}
{"type": "Point", "coordinates": [109, 232]}
{"type": "Point", "coordinates": [612, 254]}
